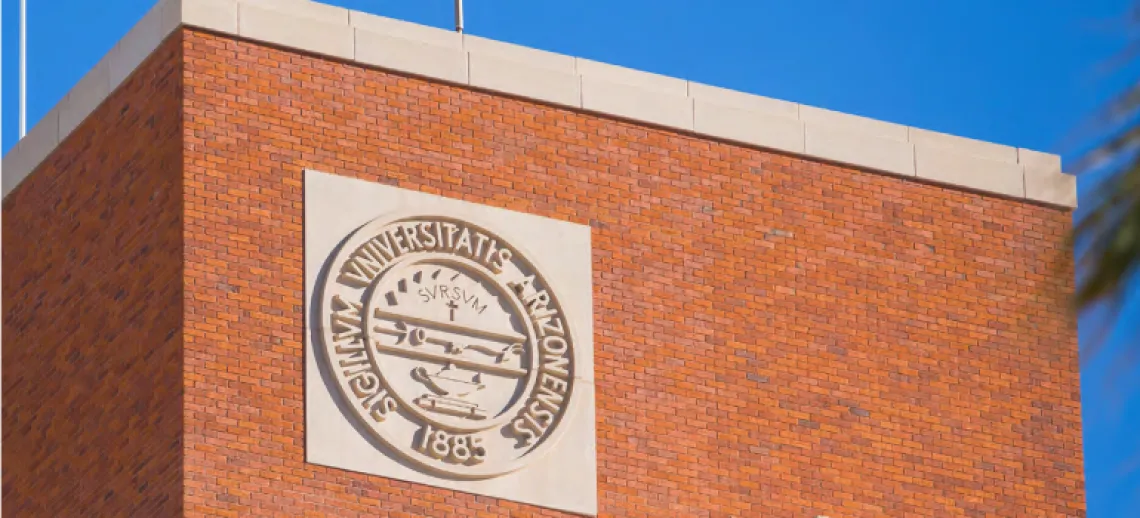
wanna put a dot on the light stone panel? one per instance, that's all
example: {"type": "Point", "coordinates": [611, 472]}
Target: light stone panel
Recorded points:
{"type": "Point", "coordinates": [519, 54]}
{"type": "Point", "coordinates": [819, 117]}
{"type": "Point", "coordinates": [748, 126]}
{"type": "Point", "coordinates": [137, 44]}
{"type": "Point", "coordinates": [1044, 180]}
{"type": "Point", "coordinates": [215, 15]}
{"type": "Point", "coordinates": [731, 98]}
{"type": "Point", "coordinates": [517, 70]}
{"type": "Point", "coordinates": [637, 103]}
{"type": "Point", "coordinates": [444, 61]}
{"type": "Point", "coordinates": [553, 85]}
{"type": "Point", "coordinates": [324, 34]}
{"type": "Point", "coordinates": [406, 30]}
{"type": "Point", "coordinates": [967, 171]}
{"type": "Point", "coordinates": [34, 148]}
{"type": "Point", "coordinates": [598, 71]}
{"type": "Point", "coordinates": [305, 9]}
{"type": "Point", "coordinates": [411, 333]}
{"type": "Point", "coordinates": [962, 145]}
{"type": "Point", "coordinates": [858, 148]}
{"type": "Point", "coordinates": [84, 98]}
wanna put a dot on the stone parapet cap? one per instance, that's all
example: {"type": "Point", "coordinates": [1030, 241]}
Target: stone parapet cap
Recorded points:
{"type": "Point", "coordinates": [568, 81]}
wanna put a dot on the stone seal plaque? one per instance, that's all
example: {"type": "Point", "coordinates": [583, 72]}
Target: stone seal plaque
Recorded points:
{"type": "Point", "coordinates": [448, 343]}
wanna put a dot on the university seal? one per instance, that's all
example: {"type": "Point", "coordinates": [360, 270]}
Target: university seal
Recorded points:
{"type": "Point", "coordinates": [447, 344]}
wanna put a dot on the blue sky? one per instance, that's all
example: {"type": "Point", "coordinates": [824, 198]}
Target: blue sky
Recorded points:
{"type": "Point", "coordinates": [1019, 72]}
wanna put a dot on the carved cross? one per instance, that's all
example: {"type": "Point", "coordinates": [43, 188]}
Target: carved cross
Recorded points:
{"type": "Point", "coordinates": [453, 306]}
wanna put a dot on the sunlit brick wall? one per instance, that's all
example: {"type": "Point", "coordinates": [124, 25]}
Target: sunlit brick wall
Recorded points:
{"type": "Point", "coordinates": [775, 336]}
{"type": "Point", "coordinates": [92, 356]}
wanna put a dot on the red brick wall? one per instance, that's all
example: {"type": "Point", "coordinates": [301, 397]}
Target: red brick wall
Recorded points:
{"type": "Point", "coordinates": [92, 293]}
{"type": "Point", "coordinates": [774, 336]}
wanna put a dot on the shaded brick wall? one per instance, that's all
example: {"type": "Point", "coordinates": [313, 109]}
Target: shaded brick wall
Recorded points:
{"type": "Point", "coordinates": [92, 289]}
{"type": "Point", "coordinates": [775, 336]}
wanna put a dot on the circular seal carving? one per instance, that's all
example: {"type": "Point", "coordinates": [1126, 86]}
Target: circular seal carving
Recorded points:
{"type": "Point", "coordinates": [448, 345]}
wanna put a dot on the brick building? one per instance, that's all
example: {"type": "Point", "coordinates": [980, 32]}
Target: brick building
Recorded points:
{"type": "Point", "coordinates": [782, 311]}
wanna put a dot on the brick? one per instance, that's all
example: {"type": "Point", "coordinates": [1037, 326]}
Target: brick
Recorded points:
{"type": "Point", "coordinates": [37, 144]}
{"type": "Point", "coordinates": [773, 334]}
{"type": "Point", "coordinates": [92, 351]}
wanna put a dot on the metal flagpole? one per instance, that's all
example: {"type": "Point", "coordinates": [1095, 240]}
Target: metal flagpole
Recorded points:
{"type": "Point", "coordinates": [23, 68]}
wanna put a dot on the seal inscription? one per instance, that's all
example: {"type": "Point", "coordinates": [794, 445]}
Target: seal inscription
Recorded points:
{"type": "Point", "coordinates": [448, 345]}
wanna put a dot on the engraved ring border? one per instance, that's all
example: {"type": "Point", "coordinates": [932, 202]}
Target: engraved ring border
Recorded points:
{"type": "Point", "coordinates": [354, 240]}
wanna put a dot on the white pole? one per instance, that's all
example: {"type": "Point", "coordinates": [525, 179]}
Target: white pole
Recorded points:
{"type": "Point", "coordinates": [2, 341]}
{"type": "Point", "coordinates": [23, 68]}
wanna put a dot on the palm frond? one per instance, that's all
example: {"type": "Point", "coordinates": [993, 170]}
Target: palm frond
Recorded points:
{"type": "Point", "coordinates": [1107, 239]}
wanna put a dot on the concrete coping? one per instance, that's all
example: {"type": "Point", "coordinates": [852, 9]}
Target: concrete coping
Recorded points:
{"type": "Point", "coordinates": [568, 81]}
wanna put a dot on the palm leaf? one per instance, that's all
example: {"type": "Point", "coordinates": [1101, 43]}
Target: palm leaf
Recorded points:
{"type": "Point", "coordinates": [1107, 239]}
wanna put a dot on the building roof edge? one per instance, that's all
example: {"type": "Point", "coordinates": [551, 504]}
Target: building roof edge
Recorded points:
{"type": "Point", "coordinates": [558, 79]}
